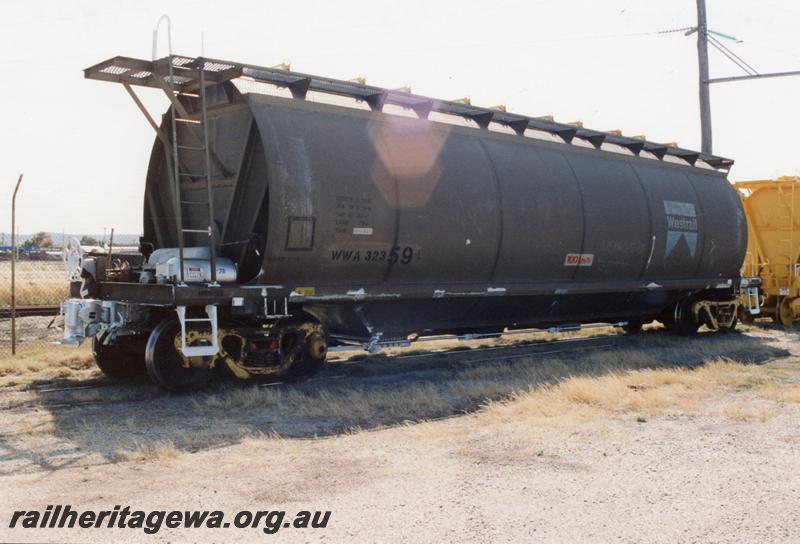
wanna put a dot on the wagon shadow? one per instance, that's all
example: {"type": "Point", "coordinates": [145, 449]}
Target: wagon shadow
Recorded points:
{"type": "Point", "coordinates": [363, 394]}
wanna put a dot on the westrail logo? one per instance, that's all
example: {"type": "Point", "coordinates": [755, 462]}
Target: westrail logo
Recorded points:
{"type": "Point", "coordinates": [681, 223]}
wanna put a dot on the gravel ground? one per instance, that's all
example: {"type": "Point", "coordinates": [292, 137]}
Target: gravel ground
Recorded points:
{"type": "Point", "coordinates": [32, 332]}
{"type": "Point", "coordinates": [671, 479]}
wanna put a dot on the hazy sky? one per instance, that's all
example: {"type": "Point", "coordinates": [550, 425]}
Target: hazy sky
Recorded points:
{"type": "Point", "coordinates": [84, 147]}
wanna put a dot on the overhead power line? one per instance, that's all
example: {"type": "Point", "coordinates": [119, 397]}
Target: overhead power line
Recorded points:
{"type": "Point", "coordinates": [733, 57]}
{"type": "Point", "coordinates": [705, 36]}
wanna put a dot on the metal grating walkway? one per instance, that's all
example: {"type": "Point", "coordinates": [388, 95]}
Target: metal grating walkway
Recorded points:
{"type": "Point", "coordinates": [130, 71]}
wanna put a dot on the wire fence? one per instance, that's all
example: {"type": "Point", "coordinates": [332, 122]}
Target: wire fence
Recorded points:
{"type": "Point", "coordinates": [40, 286]}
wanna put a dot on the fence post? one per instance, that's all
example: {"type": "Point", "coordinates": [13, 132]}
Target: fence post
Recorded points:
{"type": "Point", "coordinates": [13, 268]}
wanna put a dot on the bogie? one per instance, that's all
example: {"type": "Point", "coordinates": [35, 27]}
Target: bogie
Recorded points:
{"type": "Point", "coordinates": [289, 351]}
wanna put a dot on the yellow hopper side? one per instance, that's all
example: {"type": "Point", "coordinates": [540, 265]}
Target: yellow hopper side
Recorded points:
{"type": "Point", "coordinates": [773, 250]}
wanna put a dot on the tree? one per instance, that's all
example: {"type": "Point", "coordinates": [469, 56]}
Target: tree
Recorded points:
{"type": "Point", "coordinates": [89, 241]}
{"type": "Point", "coordinates": [40, 239]}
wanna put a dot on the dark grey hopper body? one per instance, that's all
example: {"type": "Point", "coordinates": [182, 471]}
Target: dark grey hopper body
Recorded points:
{"type": "Point", "coordinates": [397, 225]}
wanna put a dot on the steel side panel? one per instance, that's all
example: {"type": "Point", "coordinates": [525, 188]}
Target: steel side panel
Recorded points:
{"type": "Point", "coordinates": [542, 213]}
{"type": "Point", "coordinates": [725, 226]}
{"type": "Point", "coordinates": [774, 229]}
{"type": "Point", "coordinates": [349, 186]}
{"type": "Point", "coordinates": [448, 204]}
{"type": "Point", "coordinates": [662, 187]}
{"type": "Point", "coordinates": [617, 223]}
{"type": "Point", "coordinates": [331, 206]}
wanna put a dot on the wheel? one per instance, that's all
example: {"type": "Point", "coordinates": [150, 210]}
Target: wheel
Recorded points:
{"type": "Point", "coordinates": [168, 367]}
{"type": "Point", "coordinates": [303, 353]}
{"type": "Point", "coordinates": [772, 305]}
{"type": "Point", "coordinates": [122, 360]}
{"type": "Point", "coordinates": [683, 323]}
{"type": "Point", "coordinates": [745, 316]}
{"type": "Point", "coordinates": [783, 312]}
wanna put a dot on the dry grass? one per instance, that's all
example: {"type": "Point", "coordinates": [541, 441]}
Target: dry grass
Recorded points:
{"type": "Point", "coordinates": [46, 363]}
{"type": "Point", "coordinates": [35, 425]}
{"type": "Point", "coordinates": [750, 411]}
{"type": "Point", "coordinates": [156, 451]}
{"type": "Point", "coordinates": [648, 393]}
{"type": "Point", "coordinates": [553, 393]}
{"type": "Point", "coordinates": [644, 381]}
{"type": "Point", "coordinates": [37, 283]}
{"type": "Point", "coordinates": [34, 292]}
{"type": "Point", "coordinates": [781, 392]}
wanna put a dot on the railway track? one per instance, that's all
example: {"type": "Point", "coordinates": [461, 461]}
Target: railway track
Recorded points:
{"type": "Point", "coordinates": [369, 368]}
{"type": "Point", "coordinates": [30, 311]}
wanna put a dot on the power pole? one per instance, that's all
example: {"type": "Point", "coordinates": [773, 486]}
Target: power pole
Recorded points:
{"type": "Point", "coordinates": [702, 63]}
{"type": "Point", "coordinates": [705, 80]}
{"type": "Point", "coordinates": [14, 268]}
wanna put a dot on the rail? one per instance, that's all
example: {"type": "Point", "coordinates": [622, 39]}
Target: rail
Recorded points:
{"type": "Point", "coordinates": [29, 311]}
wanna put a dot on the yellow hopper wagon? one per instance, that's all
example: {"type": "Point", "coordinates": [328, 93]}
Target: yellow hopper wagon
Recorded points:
{"type": "Point", "coordinates": [773, 249]}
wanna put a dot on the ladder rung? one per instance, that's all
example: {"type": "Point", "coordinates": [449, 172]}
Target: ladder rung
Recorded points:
{"type": "Point", "coordinates": [196, 319]}
{"type": "Point", "coordinates": [192, 147]}
{"type": "Point", "coordinates": [189, 121]}
{"type": "Point", "coordinates": [200, 231]}
{"type": "Point", "coordinates": [188, 175]}
{"type": "Point", "coordinates": [203, 203]}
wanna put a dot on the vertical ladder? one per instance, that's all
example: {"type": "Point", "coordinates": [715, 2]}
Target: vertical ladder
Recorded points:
{"type": "Point", "coordinates": [179, 174]}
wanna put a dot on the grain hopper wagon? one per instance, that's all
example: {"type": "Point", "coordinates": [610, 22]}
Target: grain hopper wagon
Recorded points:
{"type": "Point", "coordinates": [773, 248]}
{"type": "Point", "coordinates": [285, 213]}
